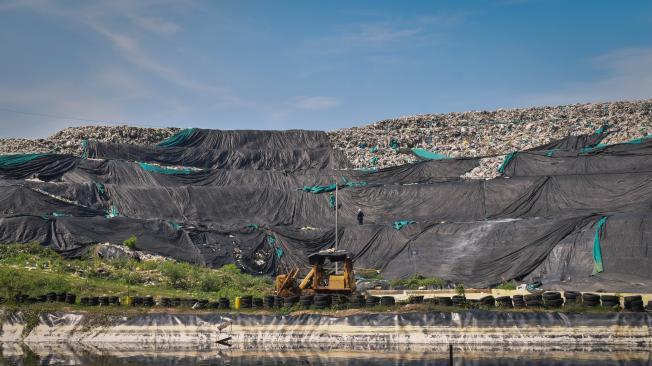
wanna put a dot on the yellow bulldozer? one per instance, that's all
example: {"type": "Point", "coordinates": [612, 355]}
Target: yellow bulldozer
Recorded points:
{"type": "Point", "coordinates": [321, 279]}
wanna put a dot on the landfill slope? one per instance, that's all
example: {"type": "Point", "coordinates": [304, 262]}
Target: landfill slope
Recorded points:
{"type": "Point", "coordinates": [573, 212]}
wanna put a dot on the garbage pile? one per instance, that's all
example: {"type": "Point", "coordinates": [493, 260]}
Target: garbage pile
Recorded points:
{"type": "Point", "coordinates": [488, 133]}
{"type": "Point", "coordinates": [573, 213]}
{"type": "Point", "coordinates": [69, 140]}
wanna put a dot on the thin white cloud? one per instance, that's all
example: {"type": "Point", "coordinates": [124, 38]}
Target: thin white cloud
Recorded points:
{"type": "Point", "coordinates": [627, 75]}
{"type": "Point", "coordinates": [380, 33]}
{"type": "Point", "coordinates": [316, 102]}
{"type": "Point", "coordinates": [105, 18]}
{"type": "Point", "coordinates": [383, 32]}
{"type": "Point", "coordinates": [155, 25]}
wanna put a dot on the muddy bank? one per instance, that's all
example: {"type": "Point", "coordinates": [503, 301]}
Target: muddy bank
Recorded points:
{"type": "Point", "coordinates": [435, 328]}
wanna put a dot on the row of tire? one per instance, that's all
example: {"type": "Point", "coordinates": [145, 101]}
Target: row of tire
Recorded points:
{"type": "Point", "coordinates": [319, 301]}
{"type": "Point", "coordinates": [62, 297]}
{"type": "Point", "coordinates": [550, 299]}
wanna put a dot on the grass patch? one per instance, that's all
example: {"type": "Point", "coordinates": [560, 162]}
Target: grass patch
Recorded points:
{"type": "Point", "coordinates": [511, 285]}
{"type": "Point", "coordinates": [35, 270]}
{"type": "Point", "coordinates": [416, 281]}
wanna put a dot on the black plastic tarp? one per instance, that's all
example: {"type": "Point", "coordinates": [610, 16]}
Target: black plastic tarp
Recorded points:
{"type": "Point", "coordinates": [573, 142]}
{"type": "Point", "coordinates": [617, 158]}
{"type": "Point", "coordinates": [247, 207]}
{"type": "Point", "coordinates": [277, 159]}
{"type": "Point", "coordinates": [248, 139]}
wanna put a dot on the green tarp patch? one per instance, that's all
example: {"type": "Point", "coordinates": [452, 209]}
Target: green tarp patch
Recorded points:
{"type": "Point", "coordinates": [428, 155]}
{"type": "Point", "coordinates": [8, 161]}
{"type": "Point", "coordinates": [398, 225]}
{"type": "Point", "coordinates": [178, 138]}
{"type": "Point", "coordinates": [597, 251]}
{"type": "Point", "coordinates": [164, 170]}
{"type": "Point", "coordinates": [508, 158]}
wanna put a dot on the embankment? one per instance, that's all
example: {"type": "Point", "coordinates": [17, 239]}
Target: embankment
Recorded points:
{"type": "Point", "coordinates": [433, 328]}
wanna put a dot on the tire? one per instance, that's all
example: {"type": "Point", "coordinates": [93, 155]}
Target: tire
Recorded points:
{"type": "Point", "coordinates": [83, 301]}
{"type": "Point", "coordinates": [444, 301]}
{"type": "Point", "coordinates": [290, 301]}
{"type": "Point", "coordinates": [610, 305]}
{"type": "Point", "coordinates": [387, 301]}
{"type": "Point", "coordinates": [590, 304]}
{"type": "Point", "coordinates": [636, 303]}
{"type": "Point", "coordinates": [70, 298]}
{"type": "Point", "coordinates": [552, 295]}
{"type": "Point", "coordinates": [310, 298]}
{"type": "Point", "coordinates": [340, 299]}
{"type": "Point", "coordinates": [609, 298]}
{"type": "Point", "coordinates": [532, 297]}
{"type": "Point", "coordinates": [278, 302]}
{"type": "Point", "coordinates": [93, 301]}
{"type": "Point", "coordinates": [488, 301]}
{"type": "Point", "coordinates": [415, 299]}
{"type": "Point", "coordinates": [323, 298]}
{"type": "Point", "coordinates": [257, 303]}
{"type": "Point", "coordinates": [633, 298]}
{"type": "Point", "coordinates": [554, 303]}
{"type": "Point", "coordinates": [573, 294]}
{"type": "Point", "coordinates": [61, 297]}
{"type": "Point", "coordinates": [372, 301]}
{"type": "Point", "coordinates": [590, 297]}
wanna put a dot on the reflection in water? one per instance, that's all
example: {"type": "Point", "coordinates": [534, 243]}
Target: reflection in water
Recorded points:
{"type": "Point", "coordinates": [114, 355]}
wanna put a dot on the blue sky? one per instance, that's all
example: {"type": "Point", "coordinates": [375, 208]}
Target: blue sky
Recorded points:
{"type": "Point", "coordinates": [309, 64]}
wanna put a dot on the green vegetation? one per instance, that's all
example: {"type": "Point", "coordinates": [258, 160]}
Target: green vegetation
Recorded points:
{"type": "Point", "coordinates": [131, 242]}
{"type": "Point", "coordinates": [34, 270]}
{"type": "Point", "coordinates": [369, 274]}
{"type": "Point", "coordinates": [511, 285]}
{"type": "Point", "coordinates": [459, 288]}
{"type": "Point", "coordinates": [416, 281]}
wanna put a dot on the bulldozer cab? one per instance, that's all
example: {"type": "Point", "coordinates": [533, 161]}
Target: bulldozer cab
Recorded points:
{"type": "Point", "coordinates": [322, 277]}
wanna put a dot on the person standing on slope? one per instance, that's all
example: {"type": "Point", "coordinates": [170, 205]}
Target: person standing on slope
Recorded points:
{"type": "Point", "coordinates": [360, 216]}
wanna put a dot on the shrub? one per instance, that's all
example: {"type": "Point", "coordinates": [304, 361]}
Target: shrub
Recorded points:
{"type": "Point", "coordinates": [459, 288]}
{"type": "Point", "coordinates": [131, 242]}
{"type": "Point", "coordinates": [176, 275]}
{"type": "Point", "coordinates": [209, 282]}
{"type": "Point", "coordinates": [416, 281]}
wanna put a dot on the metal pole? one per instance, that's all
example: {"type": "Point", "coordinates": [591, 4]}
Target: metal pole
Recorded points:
{"type": "Point", "coordinates": [336, 231]}
{"type": "Point", "coordinates": [450, 354]}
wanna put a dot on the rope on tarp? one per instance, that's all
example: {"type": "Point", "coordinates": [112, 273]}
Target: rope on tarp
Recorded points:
{"type": "Point", "coordinates": [597, 251]}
